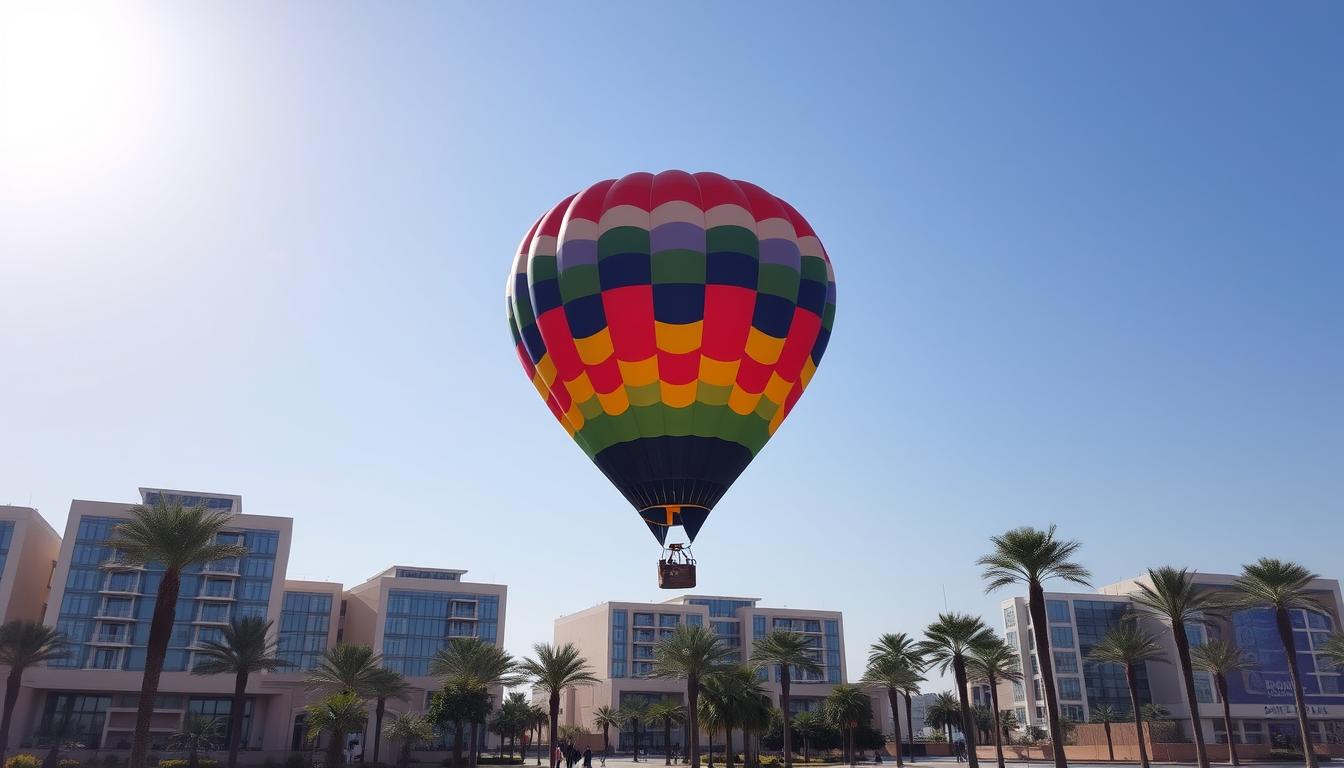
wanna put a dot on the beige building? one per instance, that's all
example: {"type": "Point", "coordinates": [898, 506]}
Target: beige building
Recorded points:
{"type": "Point", "coordinates": [618, 640]}
{"type": "Point", "coordinates": [405, 613]}
{"type": "Point", "coordinates": [1260, 697]}
{"type": "Point", "coordinates": [28, 550]}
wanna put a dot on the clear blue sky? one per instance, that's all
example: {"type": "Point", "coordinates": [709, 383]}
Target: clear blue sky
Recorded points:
{"type": "Point", "coordinates": [1090, 263]}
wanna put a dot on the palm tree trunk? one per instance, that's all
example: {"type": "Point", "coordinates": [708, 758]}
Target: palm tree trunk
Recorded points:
{"type": "Point", "coordinates": [634, 726]}
{"type": "Point", "coordinates": [457, 743]}
{"type": "Point", "coordinates": [12, 684]}
{"type": "Point", "coordinates": [894, 699]}
{"type": "Point", "coordinates": [967, 719]}
{"type": "Point", "coordinates": [785, 707]}
{"type": "Point", "coordinates": [998, 730]}
{"type": "Point", "coordinates": [1188, 679]}
{"type": "Point", "coordinates": [555, 723]}
{"type": "Point", "coordinates": [1040, 629]}
{"type": "Point", "coordinates": [474, 749]}
{"type": "Point", "coordinates": [160, 629]}
{"type": "Point", "coordinates": [692, 711]}
{"type": "Point", "coordinates": [910, 725]}
{"type": "Point", "coordinates": [1110, 748]}
{"type": "Point", "coordinates": [606, 730]}
{"type": "Point", "coordinates": [193, 757]}
{"type": "Point", "coordinates": [235, 734]}
{"type": "Point", "coordinates": [728, 757]}
{"type": "Point", "coordinates": [379, 709]}
{"type": "Point", "coordinates": [711, 746]}
{"type": "Point", "coordinates": [336, 750]}
{"type": "Point", "coordinates": [1286, 637]}
{"type": "Point", "coordinates": [1138, 713]}
{"type": "Point", "coordinates": [1221, 681]}
{"type": "Point", "coordinates": [667, 741]}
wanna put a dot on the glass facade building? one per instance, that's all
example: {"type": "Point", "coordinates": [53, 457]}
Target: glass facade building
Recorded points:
{"type": "Point", "coordinates": [419, 623]}
{"type": "Point", "coordinates": [305, 623]}
{"type": "Point", "coordinates": [106, 608]}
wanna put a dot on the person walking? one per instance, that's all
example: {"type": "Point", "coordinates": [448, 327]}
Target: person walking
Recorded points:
{"type": "Point", "coordinates": [557, 757]}
{"type": "Point", "coordinates": [587, 758]}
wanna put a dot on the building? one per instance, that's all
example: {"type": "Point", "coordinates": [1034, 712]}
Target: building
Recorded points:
{"type": "Point", "coordinates": [105, 608]}
{"type": "Point", "coordinates": [919, 706]}
{"type": "Point", "coordinates": [1261, 697]}
{"type": "Point", "coordinates": [28, 550]}
{"type": "Point", "coordinates": [618, 639]}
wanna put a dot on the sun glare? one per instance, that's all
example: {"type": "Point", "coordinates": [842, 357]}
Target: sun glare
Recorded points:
{"type": "Point", "coordinates": [76, 83]}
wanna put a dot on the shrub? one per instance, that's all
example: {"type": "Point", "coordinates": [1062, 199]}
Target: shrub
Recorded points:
{"type": "Point", "coordinates": [182, 762]}
{"type": "Point", "coordinates": [23, 761]}
{"type": "Point", "coordinates": [69, 763]}
{"type": "Point", "coordinates": [766, 761]}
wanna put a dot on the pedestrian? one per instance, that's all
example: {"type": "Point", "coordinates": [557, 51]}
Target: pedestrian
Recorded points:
{"type": "Point", "coordinates": [587, 758]}
{"type": "Point", "coordinates": [557, 757]}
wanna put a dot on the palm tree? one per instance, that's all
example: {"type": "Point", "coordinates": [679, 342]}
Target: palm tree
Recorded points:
{"type": "Point", "coordinates": [554, 669]}
{"type": "Point", "coordinates": [950, 642]}
{"type": "Point", "coordinates": [690, 653]}
{"type": "Point", "coordinates": [734, 692]}
{"type": "Point", "coordinates": [1221, 658]}
{"type": "Point", "coordinates": [383, 685]}
{"type": "Point", "coordinates": [1333, 650]}
{"type": "Point", "coordinates": [199, 733]}
{"type": "Point", "coordinates": [472, 667]}
{"type": "Point", "coordinates": [23, 643]}
{"type": "Point", "coordinates": [943, 713]}
{"type": "Point", "coordinates": [1104, 715]}
{"type": "Point", "coordinates": [606, 718]}
{"type": "Point", "coordinates": [408, 730]}
{"type": "Point", "coordinates": [344, 668]}
{"type": "Point", "coordinates": [668, 713]}
{"type": "Point", "coordinates": [1031, 557]}
{"type": "Point", "coordinates": [1173, 596]}
{"type": "Point", "coordinates": [994, 662]}
{"type": "Point", "coordinates": [338, 714]}
{"type": "Point", "coordinates": [1281, 587]}
{"type": "Point", "coordinates": [787, 651]}
{"type": "Point", "coordinates": [758, 712]}
{"type": "Point", "coordinates": [174, 537]}
{"type": "Point", "coordinates": [1129, 646]}
{"type": "Point", "coordinates": [245, 647]}
{"type": "Point", "coordinates": [538, 718]}
{"type": "Point", "coordinates": [1007, 722]}
{"type": "Point", "coordinates": [847, 707]}
{"type": "Point", "coordinates": [633, 712]}
{"type": "Point", "coordinates": [809, 726]}
{"type": "Point", "coordinates": [899, 649]}
{"type": "Point", "coordinates": [893, 676]}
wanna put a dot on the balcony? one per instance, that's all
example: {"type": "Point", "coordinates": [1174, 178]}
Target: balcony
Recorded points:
{"type": "Point", "coordinates": [105, 614]}
{"type": "Point", "coordinates": [224, 568]}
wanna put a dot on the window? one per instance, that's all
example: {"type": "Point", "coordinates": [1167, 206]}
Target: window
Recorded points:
{"type": "Point", "coordinates": [643, 619]}
{"type": "Point", "coordinates": [1057, 611]}
{"type": "Point", "coordinates": [1035, 666]}
{"type": "Point", "coordinates": [1066, 661]}
{"type": "Point", "coordinates": [1070, 688]}
{"type": "Point", "coordinates": [1073, 712]}
{"type": "Point", "coordinates": [1036, 690]}
{"type": "Point", "coordinates": [1010, 617]}
{"type": "Point", "coordinates": [668, 620]}
{"type": "Point", "coordinates": [618, 669]}
{"type": "Point", "coordinates": [758, 626]}
{"type": "Point", "coordinates": [1203, 687]}
{"type": "Point", "coordinates": [642, 668]}
{"type": "Point", "coordinates": [1019, 693]}
{"type": "Point", "coordinates": [1061, 637]}
{"type": "Point", "coordinates": [695, 620]}
{"type": "Point", "coordinates": [1021, 714]}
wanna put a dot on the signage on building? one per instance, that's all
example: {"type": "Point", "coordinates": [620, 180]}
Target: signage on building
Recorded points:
{"type": "Point", "coordinates": [1313, 710]}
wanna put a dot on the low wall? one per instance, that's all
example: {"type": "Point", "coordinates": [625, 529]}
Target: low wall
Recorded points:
{"type": "Point", "coordinates": [1090, 745]}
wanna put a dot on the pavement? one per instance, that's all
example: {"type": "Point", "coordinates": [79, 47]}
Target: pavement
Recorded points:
{"type": "Point", "coordinates": [941, 762]}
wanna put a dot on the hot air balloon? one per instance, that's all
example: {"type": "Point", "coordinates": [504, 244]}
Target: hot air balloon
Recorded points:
{"type": "Point", "coordinates": [670, 322]}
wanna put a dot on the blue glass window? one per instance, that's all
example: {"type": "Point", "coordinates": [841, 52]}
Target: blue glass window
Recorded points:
{"type": "Point", "coordinates": [1070, 688]}
{"type": "Point", "coordinates": [1057, 611]}
{"type": "Point", "coordinates": [1066, 661]}
{"type": "Point", "coordinates": [1061, 637]}
{"type": "Point", "coordinates": [305, 620]}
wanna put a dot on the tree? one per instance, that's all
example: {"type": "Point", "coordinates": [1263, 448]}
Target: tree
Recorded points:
{"type": "Point", "coordinates": [1104, 715]}
{"type": "Point", "coordinates": [1129, 646]}
{"type": "Point", "coordinates": [198, 734]}
{"type": "Point", "coordinates": [786, 651]}
{"type": "Point", "coordinates": [1008, 723]}
{"type": "Point", "coordinates": [633, 712]}
{"type": "Point", "coordinates": [553, 669]}
{"type": "Point", "coordinates": [1031, 557]}
{"type": "Point", "coordinates": [1220, 658]}
{"type": "Point", "coordinates": [606, 718]}
{"type": "Point", "coordinates": [245, 647]}
{"type": "Point", "coordinates": [472, 666]}
{"type": "Point", "coordinates": [668, 713]}
{"type": "Point", "coordinates": [1281, 587]}
{"type": "Point", "coordinates": [539, 718]}
{"type": "Point", "coordinates": [460, 701]}
{"type": "Point", "coordinates": [734, 692]}
{"type": "Point", "coordinates": [994, 662]}
{"type": "Point", "coordinates": [344, 668]}
{"type": "Point", "coordinates": [1333, 650]}
{"type": "Point", "coordinates": [894, 676]}
{"type": "Point", "coordinates": [23, 643]}
{"type": "Point", "coordinates": [901, 649]}
{"type": "Point", "coordinates": [515, 715]}
{"type": "Point", "coordinates": [337, 715]}
{"type": "Point", "coordinates": [174, 537]}
{"type": "Point", "coordinates": [847, 707]}
{"type": "Point", "coordinates": [809, 726]}
{"type": "Point", "coordinates": [1173, 596]}
{"type": "Point", "coordinates": [690, 653]}
{"type": "Point", "coordinates": [383, 685]}
{"type": "Point", "coordinates": [943, 713]}
{"type": "Point", "coordinates": [948, 643]}
{"type": "Point", "coordinates": [409, 730]}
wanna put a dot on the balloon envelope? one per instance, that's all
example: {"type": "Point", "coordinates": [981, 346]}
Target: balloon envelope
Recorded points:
{"type": "Point", "coordinates": [671, 321]}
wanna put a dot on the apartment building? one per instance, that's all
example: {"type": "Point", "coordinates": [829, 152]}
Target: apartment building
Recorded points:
{"type": "Point", "coordinates": [1260, 697]}
{"type": "Point", "coordinates": [618, 639]}
{"type": "Point", "coordinates": [29, 547]}
{"type": "Point", "coordinates": [104, 608]}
